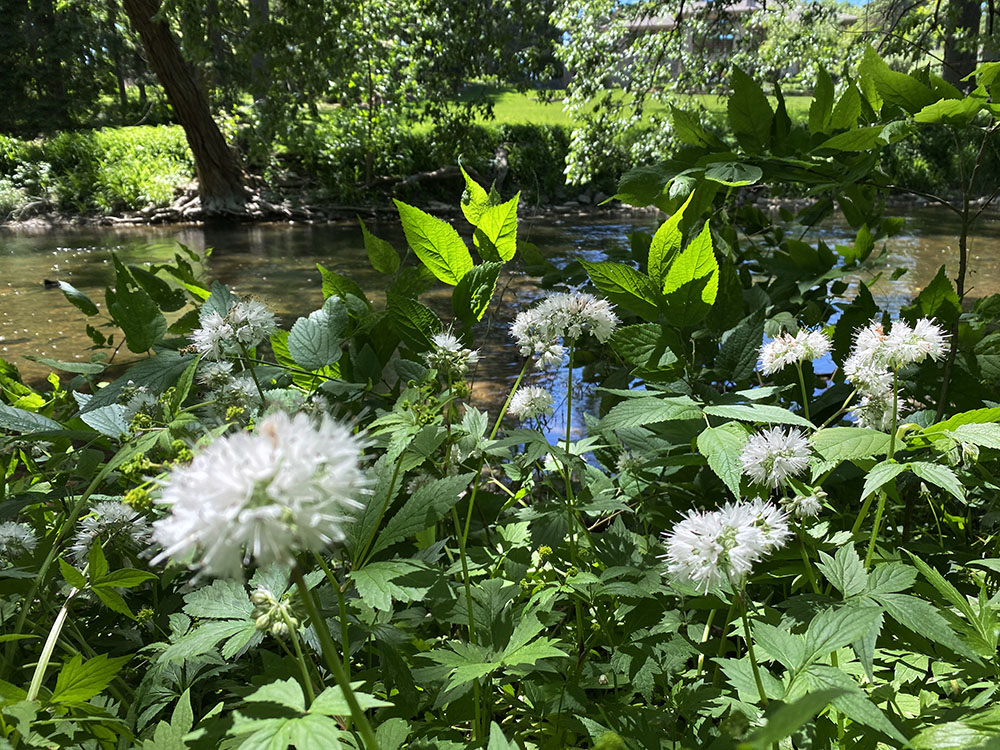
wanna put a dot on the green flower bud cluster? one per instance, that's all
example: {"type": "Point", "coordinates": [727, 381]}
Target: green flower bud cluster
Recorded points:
{"type": "Point", "coordinates": [271, 615]}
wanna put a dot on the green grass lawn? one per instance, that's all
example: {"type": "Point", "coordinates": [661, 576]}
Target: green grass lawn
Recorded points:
{"type": "Point", "coordinates": [516, 108]}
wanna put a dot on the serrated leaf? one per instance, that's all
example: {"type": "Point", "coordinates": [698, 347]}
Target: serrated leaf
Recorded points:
{"type": "Point", "coordinates": [203, 638]}
{"type": "Point", "coordinates": [945, 588]}
{"type": "Point", "coordinates": [498, 741]}
{"type": "Point", "coordinates": [733, 173]}
{"type": "Point", "coordinates": [666, 243]}
{"type": "Point", "coordinates": [975, 416]}
{"type": "Point", "coordinates": [903, 90]}
{"type": "Point", "coordinates": [134, 311]}
{"type": "Point", "coordinates": [156, 373]}
{"type": "Point", "coordinates": [695, 263]}
{"type": "Point", "coordinates": [315, 342]}
{"type": "Point", "coordinates": [381, 254]}
{"type": "Point", "coordinates": [985, 435]}
{"type": "Point", "coordinates": [624, 286]}
{"type": "Point", "coordinates": [648, 347]}
{"type": "Point", "coordinates": [844, 570]}
{"type": "Point", "coordinates": [923, 619]}
{"type": "Point", "coordinates": [750, 113]}
{"type": "Point", "coordinates": [125, 578]}
{"type": "Point", "coordinates": [223, 599]}
{"type": "Point", "coordinates": [763, 413]}
{"type": "Point", "coordinates": [880, 475]}
{"type": "Point", "coordinates": [20, 420]}
{"type": "Point", "coordinates": [79, 681]}
{"type": "Point", "coordinates": [940, 476]}
{"type": "Point", "coordinates": [821, 108]}
{"type": "Point", "coordinates": [721, 447]}
{"type": "Point", "coordinates": [650, 410]}
{"type": "Point", "coordinates": [113, 600]}
{"type": "Point", "coordinates": [286, 693]}
{"type": "Point", "coordinates": [838, 627]}
{"type": "Point", "coordinates": [71, 575]}
{"type": "Point", "coordinates": [739, 349]}
{"type": "Point", "coordinates": [412, 321]}
{"type": "Point", "coordinates": [496, 231]}
{"type": "Point", "coordinates": [376, 583]}
{"type": "Point", "coordinates": [108, 420]}
{"type": "Point", "coordinates": [338, 285]}
{"type": "Point", "coordinates": [436, 243]}
{"type": "Point", "coordinates": [473, 293]}
{"type": "Point", "coordinates": [849, 443]}
{"type": "Point", "coordinates": [424, 508]}
{"type": "Point", "coordinates": [475, 199]}
{"type": "Point", "coordinates": [853, 701]}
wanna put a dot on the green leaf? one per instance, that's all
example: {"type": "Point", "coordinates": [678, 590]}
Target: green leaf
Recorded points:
{"type": "Point", "coordinates": [134, 311]}
{"type": "Point", "coordinates": [763, 413]}
{"type": "Point", "coordinates": [648, 347]}
{"type": "Point", "coordinates": [938, 475]}
{"type": "Point", "coordinates": [475, 199]}
{"type": "Point", "coordinates": [849, 443]}
{"type": "Point", "coordinates": [958, 112]}
{"type": "Point", "coordinates": [413, 322]}
{"type": "Point", "coordinates": [79, 681]}
{"type": "Point", "coordinates": [838, 627]}
{"type": "Point", "coordinates": [923, 619]}
{"type": "Point", "coordinates": [496, 231]}
{"type": "Point", "coordinates": [524, 648]}
{"type": "Point", "coordinates": [688, 129]}
{"type": "Point", "coordinates": [880, 475]}
{"type": "Point", "coordinates": [71, 575]}
{"type": "Point", "coordinates": [436, 243]}
{"type": "Point", "coordinates": [844, 570]}
{"type": "Point", "coordinates": [821, 109]}
{"type": "Point", "coordinates": [666, 244]}
{"type": "Point", "coordinates": [97, 563]}
{"type": "Point", "coordinates": [331, 702]}
{"type": "Point", "coordinates": [338, 285]}
{"type": "Point", "coordinates": [473, 293]}
{"type": "Point", "coordinates": [126, 578]}
{"type": "Point", "coordinates": [113, 600]}
{"type": "Point", "coordinates": [375, 583]}
{"type": "Point", "coordinates": [739, 349]}
{"type": "Point", "coordinates": [946, 589]}
{"type": "Point", "coordinates": [219, 300]}
{"type": "Point", "coordinates": [784, 719]}
{"type": "Point", "coordinates": [636, 412]}
{"type": "Point", "coordinates": [899, 89]}
{"type": "Point", "coordinates": [381, 254]}
{"type": "Point", "coordinates": [976, 416]}
{"type": "Point", "coordinates": [423, 509]}
{"type": "Point", "coordinates": [722, 446]}
{"type": "Point", "coordinates": [79, 368]}
{"type": "Point", "coordinates": [986, 435]}
{"type": "Point", "coordinates": [223, 599]}
{"type": "Point", "coordinates": [166, 297]}
{"type": "Point", "coordinates": [498, 741]}
{"type": "Point", "coordinates": [624, 286]}
{"type": "Point", "coordinates": [315, 342]}
{"type": "Point", "coordinates": [392, 733]}
{"type": "Point", "coordinates": [847, 110]}
{"type": "Point", "coordinates": [203, 638]}
{"type": "Point", "coordinates": [853, 702]}
{"type": "Point", "coordinates": [156, 373]}
{"type": "Point", "coordinates": [938, 300]}
{"type": "Point", "coordinates": [79, 300]}
{"type": "Point", "coordinates": [692, 281]}
{"type": "Point", "coordinates": [750, 113]}
{"type": "Point", "coordinates": [859, 139]}
{"type": "Point", "coordinates": [20, 420]}
{"type": "Point", "coordinates": [733, 173]}
{"type": "Point", "coordinates": [286, 693]}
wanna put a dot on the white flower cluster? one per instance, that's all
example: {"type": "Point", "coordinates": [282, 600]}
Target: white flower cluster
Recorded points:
{"type": "Point", "coordinates": [539, 329]}
{"type": "Point", "coordinates": [787, 349]}
{"type": "Point", "coordinates": [530, 402]}
{"type": "Point", "coordinates": [805, 506]}
{"type": "Point", "coordinates": [711, 548]}
{"type": "Point", "coordinates": [114, 524]}
{"type": "Point", "coordinates": [773, 455]}
{"type": "Point", "coordinates": [287, 488]}
{"type": "Point", "coordinates": [16, 540]}
{"type": "Point", "coordinates": [246, 323]}
{"type": "Point", "coordinates": [876, 354]}
{"type": "Point", "coordinates": [449, 356]}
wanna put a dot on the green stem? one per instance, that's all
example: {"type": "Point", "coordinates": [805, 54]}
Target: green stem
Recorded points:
{"type": "Point", "coordinates": [753, 658]}
{"type": "Point", "coordinates": [802, 386]}
{"type": "Point", "coordinates": [253, 374]}
{"type": "Point", "coordinates": [332, 660]}
{"type": "Point", "coordinates": [506, 403]}
{"type": "Point", "coordinates": [49, 647]}
{"type": "Point", "coordinates": [704, 639]}
{"type": "Point", "coordinates": [807, 562]}
{"type": "Point", "coordinates": [363, 550]}
{"type": "Point", "coordinates": [293, 636]}
{"type": "Point", "coordinates": [875, 529]}
{"type": "Point", "coordinates": [892, 458]}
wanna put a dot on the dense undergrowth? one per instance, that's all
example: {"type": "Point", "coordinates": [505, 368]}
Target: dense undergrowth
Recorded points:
{"type": "Point", "coordinates": [778, 526]}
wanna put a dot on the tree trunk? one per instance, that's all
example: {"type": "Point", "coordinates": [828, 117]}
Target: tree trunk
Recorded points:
{"type": "Point", "coordinates": [961, 45]}
{"type": "Point", "coordinates": [220, 178]}
{"type": "Point", "coordinates": [260, 17]}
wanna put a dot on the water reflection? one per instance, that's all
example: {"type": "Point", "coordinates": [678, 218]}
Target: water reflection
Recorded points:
{"type": "Point", "coordinates": [277, 264]}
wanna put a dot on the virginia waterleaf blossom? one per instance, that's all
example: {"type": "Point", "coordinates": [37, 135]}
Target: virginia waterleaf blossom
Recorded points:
{"type": "Point", "coordinates": [113, 524]}
{"type": "Point", "coordinates": [567, 316]}
{"type": "Point", "coordinates": [787, 349]}
{"type": "Point", "coordinates": [265, 496]}
{"type": "Point", "coordinates": [530, 402]}
{"type": "Point", "coordinates": [246, 324]}
{"type": "Point", "coordinates": [774, 454]}
{"type": "Point", "coordinates": [16, 540]}
{"type": "Point", "coordinates": [448, 356]}
{"type": "Point", "coordinates": [877, 354]}
{"type": "Point", "coordinates": [712, 548]}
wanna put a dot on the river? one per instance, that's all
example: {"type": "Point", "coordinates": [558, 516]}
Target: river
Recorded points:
{"type": "Point", "coordinates": [277, 264]}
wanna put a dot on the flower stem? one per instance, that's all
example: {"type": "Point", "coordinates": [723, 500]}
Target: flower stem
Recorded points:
{"type": "Point", "coordinates": [342, 607]}
{"type": "Point", "coordinates": [704, 638]}
{"type": "Point", "coordinates": [753, 658]}
{"type": "Point", "coordinates": [807, 562]}
{"type": "Point", "coordinates": [49, 647]}
{"type": "Point", "coordinates": [293, 636]}
{"type": "Point", "coordinates": [875, 529]}
{"type": "Point", "coordinates": [333, 662]}
{"type": "Point", "coordinates": [506, 403]}
{"type": "Point", "coordinates": [802, 385]}
{"type": "Point", "coordinates": [253, 374]}
{"type": "Point", "coordinates": [891, 457]}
